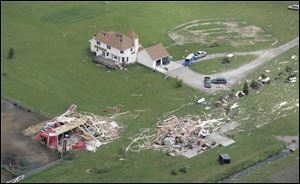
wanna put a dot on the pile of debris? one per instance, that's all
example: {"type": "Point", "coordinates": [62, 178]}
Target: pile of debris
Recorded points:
{"type": "Point", "coordinates": [179, 136]}
{"type": "Point", "coordinates": [78, 131]}
{"type": "Point", "coordinates": [109, 63]}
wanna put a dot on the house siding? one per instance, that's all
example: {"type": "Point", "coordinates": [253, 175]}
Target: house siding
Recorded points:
{"type": "Point", "coordinates": [115, 52]}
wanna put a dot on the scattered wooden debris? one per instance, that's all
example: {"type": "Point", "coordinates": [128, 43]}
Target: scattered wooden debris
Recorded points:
{"type": "Point", "coordinates": [77, 130]}
{"type": "Point", "coordinates": [179, 135]}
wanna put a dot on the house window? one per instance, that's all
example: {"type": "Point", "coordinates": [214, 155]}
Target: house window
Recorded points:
{"type": "Point", "coordinates": [131, 49]}
{"type": "Point", "coordinates": [98, 43]}
{"type": "Point", "coordinates": [115, 57]}
{"type": "Point", "coordinates": [121, 51]}
{"type": "Point", "coordinates": [107, 54]}
{"type": "Point", "coordinates": [127, 59]}
{"type": "Point", "coordinates": [108, 47]}
{"type": "Point", "coordinates": [97, 50]}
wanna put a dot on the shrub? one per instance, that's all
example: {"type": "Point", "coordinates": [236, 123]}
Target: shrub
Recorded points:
{"type": "Point", "coordinates": [11, 53]}
{"type": "Point", "coordinates": [292, 75]}
{"type": "Point", "coordinates": [178, 82]}
{"type": "Point", "coordinates": [101, 169]}
{"type": "Point", "coordinates": [225, 60]}
{"type": "Point", "coordinates": [215, 44]}
{"type": "Point", "coordinates": [246, 88]}
{"type": "Point", "coordinates": [254, 84]}
{"type": "Point", "coordinates": [263, 76]}
{"type": "Point", "coordinates": [280, 73]}
{"type": "Point", "coordinates": [69, 155]}
{"type": "Point", "coordinates": [288, 69]}
{"type": "Point", "coordinates": [183, 169]}
{"type": "Point", "coordinates": [174, 172]}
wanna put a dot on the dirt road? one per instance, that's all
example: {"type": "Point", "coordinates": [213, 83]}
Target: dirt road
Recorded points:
{"type": "Point", "coordinates": [195, 80]}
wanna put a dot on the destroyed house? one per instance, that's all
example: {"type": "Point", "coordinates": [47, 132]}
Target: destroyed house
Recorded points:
{"type": "Point", "coordinates": [74, 131]}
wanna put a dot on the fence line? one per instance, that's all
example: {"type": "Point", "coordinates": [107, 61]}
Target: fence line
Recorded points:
{"type": "Point", "coordinates": [35, 171]}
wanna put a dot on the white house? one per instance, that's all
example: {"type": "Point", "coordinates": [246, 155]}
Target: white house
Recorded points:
{"type": "Point", "coordinates": [116, 46]}
{"type": "Point", "coordinates": [154, 57]}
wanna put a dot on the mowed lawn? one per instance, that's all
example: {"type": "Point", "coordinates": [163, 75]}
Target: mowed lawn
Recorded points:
{"type": "Point", "coordinates": [52, 69]}
{"type": "Point", "coordinates": [215, 65]}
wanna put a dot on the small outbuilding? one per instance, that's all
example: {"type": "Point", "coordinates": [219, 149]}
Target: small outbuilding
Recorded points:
{"type": "Point", "coordinates": [224, 158]}
{"type": "Point", "coordinates": [154, 56]}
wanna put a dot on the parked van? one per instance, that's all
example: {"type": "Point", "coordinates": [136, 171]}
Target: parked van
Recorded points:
{"type": "Point", "coordinates": [189, 60]}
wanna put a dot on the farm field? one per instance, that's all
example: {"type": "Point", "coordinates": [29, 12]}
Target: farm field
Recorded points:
{"type": "Point", "coordinates": [52, 69]}
{"type": "Point", "coordinates": [215, 65]}
{"type": "Point", "coordinates": [252, 145]}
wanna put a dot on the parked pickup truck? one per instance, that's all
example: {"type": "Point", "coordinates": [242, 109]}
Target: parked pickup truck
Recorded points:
{"type": "Point", "coordinates": [199, 54]}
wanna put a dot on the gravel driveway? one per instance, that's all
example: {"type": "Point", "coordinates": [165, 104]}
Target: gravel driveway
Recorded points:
{"type": "Point", "coordinates": [195, 80]}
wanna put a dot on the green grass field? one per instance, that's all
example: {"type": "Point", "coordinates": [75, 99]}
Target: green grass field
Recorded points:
{"type": "Point", "coordinates": [50, 71]}
{"type": "Point", "coordinates": [215, 65]}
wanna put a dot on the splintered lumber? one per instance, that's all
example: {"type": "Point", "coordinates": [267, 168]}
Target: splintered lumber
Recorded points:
{"type": "Point", "coordinates": [82, 126]}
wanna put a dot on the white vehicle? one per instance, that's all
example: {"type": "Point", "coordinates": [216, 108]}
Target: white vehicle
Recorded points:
{"type": "Point", "coordinates": [200, 54]}
{"type": "Point", "coordinates": [294, 7]}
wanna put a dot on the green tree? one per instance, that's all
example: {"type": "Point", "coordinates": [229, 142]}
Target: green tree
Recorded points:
{"type": "Point", "coordinates": [174, 172]}
{"type": "Point", "coordinates": [11, 53]}
{"type": "Point", "coordinates": [246, 88]}
{"type": "Point", "coordinates": [254, 84]}
{"type": "Point", "coordinates": [289, 69]}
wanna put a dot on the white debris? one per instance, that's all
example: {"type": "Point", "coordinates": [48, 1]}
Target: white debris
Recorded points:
{"type": "Point", "coordinates": [265, 80]}
{"type": "Point", "coordinates": [278, 68]}
{"type": "Point", "coordinates": [274, 43]}
{"type": "Point", "coordinates": [230, 55]}
{"type": "Point", "coordinates": [281, 104]}
{"type": "Point", "coordinates": [206, 108]}
{"type": "Point", "coordinates": [283, 62]}
{"type": "Point", "coordinates": [292, 79]}
{"type": "Point", "coordinates": [201, 100]}
{"type": "Point", "coordinates": [240, 94]}
{"type": "Point", "coordinates": [234, 106]}
{"type": "Point", "coordinates": [268, 71]}
{"type": "Point", "coordinates": [203, 133]}
{"type": "Point", "coordinates": [297, 104]}
{"type": "Point", "coordinates": [294, 57]}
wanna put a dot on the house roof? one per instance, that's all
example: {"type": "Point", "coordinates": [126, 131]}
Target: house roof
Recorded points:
{"type": "Point", "coordinates": [157, 51]}
{"type": "Point", "coordinates": [131, 34]}
{"type": "Point", "coordinates": [115, 39]}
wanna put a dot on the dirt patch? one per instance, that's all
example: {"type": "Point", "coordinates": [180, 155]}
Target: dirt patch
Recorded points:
{"type": "Point", "coordinates": [211, 31]}
{"type": "Point", "coordinates": [18, 152]}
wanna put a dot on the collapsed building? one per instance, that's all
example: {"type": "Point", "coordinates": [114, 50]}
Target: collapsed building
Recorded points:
{"type": "Point", "coordinates": [78, 131]}
{"type": "Point", "coordinates": [183, 135]}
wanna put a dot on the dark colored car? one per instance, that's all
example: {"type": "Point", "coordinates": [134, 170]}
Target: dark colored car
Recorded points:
{"type": "Point", "coordinates": [220, 80]}
{"type": "Point", "coordinates": [207, 82]}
